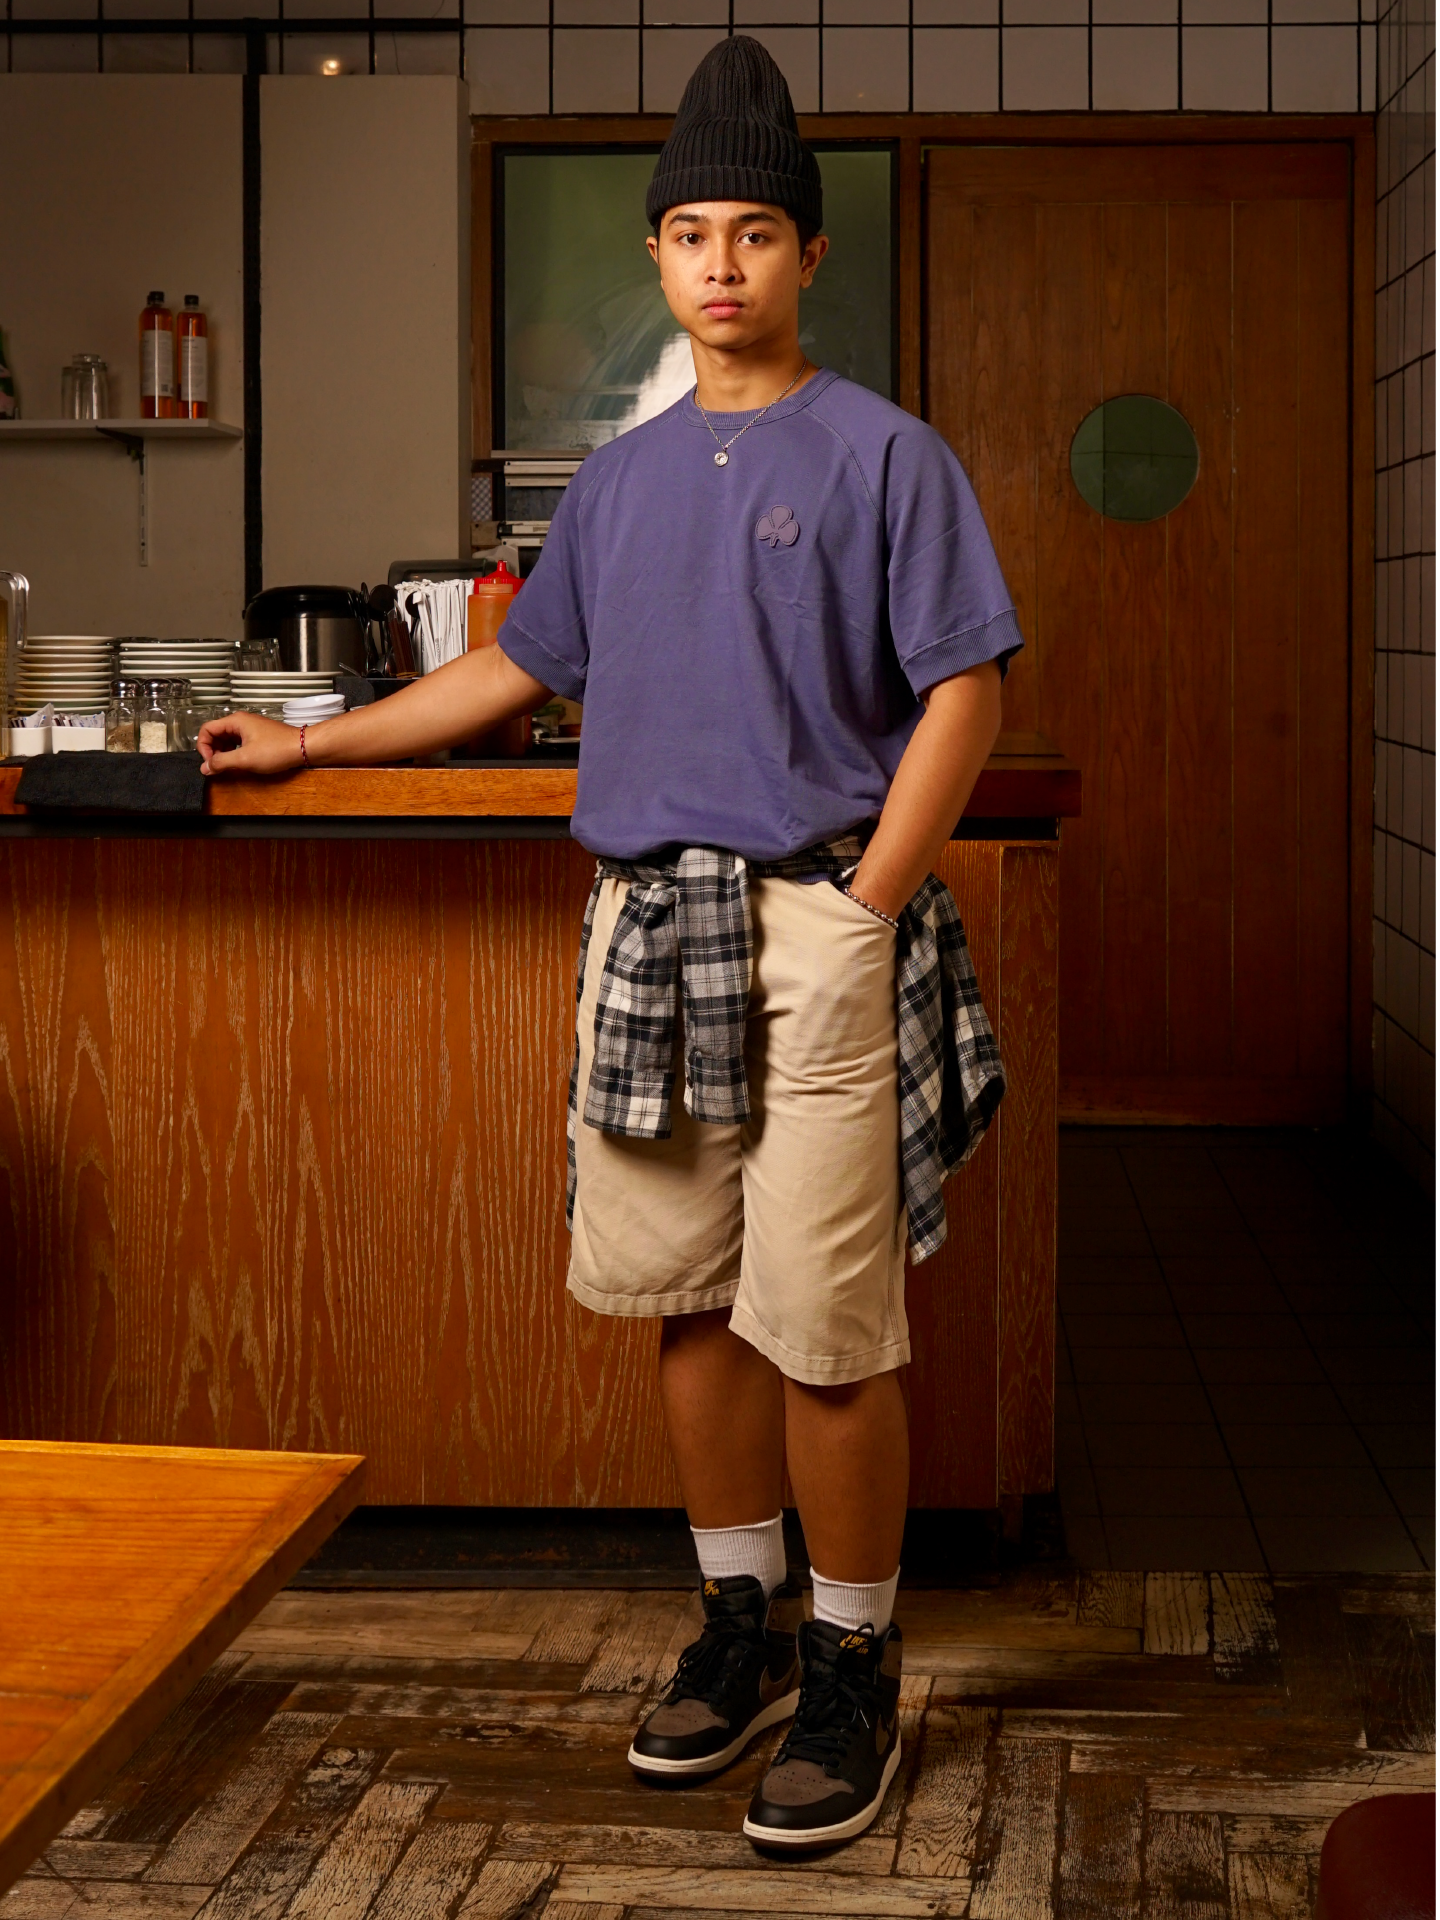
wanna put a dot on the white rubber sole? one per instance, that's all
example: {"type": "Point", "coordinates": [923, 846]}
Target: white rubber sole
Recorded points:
{"type": "Point", "coordinates": [781, 1709]}
{"type": "Point", "coordinates": [800, 1837]}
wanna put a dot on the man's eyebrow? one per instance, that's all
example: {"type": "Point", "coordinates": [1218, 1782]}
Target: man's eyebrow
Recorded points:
{"type": "Point", "coordinates": [756, 218]}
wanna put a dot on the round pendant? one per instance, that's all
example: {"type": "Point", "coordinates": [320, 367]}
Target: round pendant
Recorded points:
{"type": "Point", "coordinates": [722, 459]}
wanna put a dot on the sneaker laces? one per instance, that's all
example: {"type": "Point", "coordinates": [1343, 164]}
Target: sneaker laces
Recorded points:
{"type": "Point", "coordinates": [831, 1704]}
{"type": "Point", "coordinates": [705, 1665]}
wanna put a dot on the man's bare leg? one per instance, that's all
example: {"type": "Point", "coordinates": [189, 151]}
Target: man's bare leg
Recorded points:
{"type": "Point", "coordinates": [725, 1415]}
{"type": "Point", "coordinates": [731, 1421]}
{"type": "Point", "coordinates": [849, 1455]}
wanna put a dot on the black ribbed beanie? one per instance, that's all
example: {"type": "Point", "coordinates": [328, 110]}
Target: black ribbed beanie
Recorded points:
{"type": "Point", "coordinates": [735, 138]}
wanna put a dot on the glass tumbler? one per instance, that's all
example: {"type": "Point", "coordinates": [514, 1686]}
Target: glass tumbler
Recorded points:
{"type": "Point", "coordinates": [179, 697]}
{"type": "Point", "coordinates": [85, 388]}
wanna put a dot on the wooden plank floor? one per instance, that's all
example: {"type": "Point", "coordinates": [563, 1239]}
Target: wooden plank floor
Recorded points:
{"type": "Point", "coordinates": [123, 1572]}
{"type": "Point", "coordinates": [1086, 1746]}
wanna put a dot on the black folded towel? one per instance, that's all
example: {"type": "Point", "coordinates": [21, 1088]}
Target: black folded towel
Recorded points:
{"type": "Point", "coordinates": [114, 782]}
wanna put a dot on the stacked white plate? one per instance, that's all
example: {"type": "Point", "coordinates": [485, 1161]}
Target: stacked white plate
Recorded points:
{"type": "Point", "coordinates": [266, 692]}
{"type": "Point", "coordinates": [75, 672]}
{"type": "Point", "coordinates": [204, 663]}
{"type": "Point", "coordinates": [314, 708]}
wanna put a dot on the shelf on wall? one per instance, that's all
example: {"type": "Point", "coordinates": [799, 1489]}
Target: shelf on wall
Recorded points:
{"type": "Point", "coordinates": [130, 434]}
{"type": "Point", "coordinates": [117, 430]}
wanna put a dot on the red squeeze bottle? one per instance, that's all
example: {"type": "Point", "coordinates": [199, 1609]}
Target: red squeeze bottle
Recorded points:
{"type": "Point", "coordinates": [490, 600]}
{"type": "Point", "coordinates": [157, 360]}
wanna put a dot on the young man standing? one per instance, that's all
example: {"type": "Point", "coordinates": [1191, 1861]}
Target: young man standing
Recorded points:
{"type": "Point", "coordinates": [782, 611]}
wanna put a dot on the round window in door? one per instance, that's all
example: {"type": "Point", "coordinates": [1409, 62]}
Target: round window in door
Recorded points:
{"type": "Point", "coordinates": [1134, 458]}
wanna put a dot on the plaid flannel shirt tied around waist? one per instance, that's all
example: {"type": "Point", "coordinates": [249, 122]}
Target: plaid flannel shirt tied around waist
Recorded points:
{"type": "Point", "coordinates": [682, 947]}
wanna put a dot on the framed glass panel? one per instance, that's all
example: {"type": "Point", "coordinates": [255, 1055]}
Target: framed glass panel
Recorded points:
{"type": "Point", "coordinates": [586, 347]}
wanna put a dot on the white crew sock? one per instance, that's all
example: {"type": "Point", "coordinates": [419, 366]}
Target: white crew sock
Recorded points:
{"type": "Point", "coordinates": [758, 1550]}
{"type": "Point", "coordinates": [847, 1605]}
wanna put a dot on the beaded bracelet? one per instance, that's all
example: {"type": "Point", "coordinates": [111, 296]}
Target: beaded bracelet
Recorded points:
{"type": "Point", "coordinates": [304, 757]}
{"type": "Point", "coordinates": [869, 909]}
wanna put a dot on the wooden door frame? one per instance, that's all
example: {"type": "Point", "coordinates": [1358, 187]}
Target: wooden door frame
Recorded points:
{"type": "Point", "coordinates": [909, 134]}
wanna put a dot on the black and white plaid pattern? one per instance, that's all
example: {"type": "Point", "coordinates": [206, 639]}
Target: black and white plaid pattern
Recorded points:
{"type": "Point", "coordinates": [682, 942]}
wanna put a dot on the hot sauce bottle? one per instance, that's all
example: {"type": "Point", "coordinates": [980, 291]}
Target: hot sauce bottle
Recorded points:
{"type": "Point", "coordinates": [491, 598]}
{"type": "Point", "coordinates": [157, 360]}
{"type": "Point", "coordinates": [192, 349]}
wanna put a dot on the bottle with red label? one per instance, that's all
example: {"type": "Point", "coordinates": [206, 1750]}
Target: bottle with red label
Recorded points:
{"type": "Point", "coordinates": [157, 360]}
{"type": "Point", "coordinates": [491, 598]}
{"type": "Point", "coordinates": [192, 355]}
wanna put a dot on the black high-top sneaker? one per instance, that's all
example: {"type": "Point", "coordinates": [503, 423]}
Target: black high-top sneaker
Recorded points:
{"type": "Point", "coordinates": [739, 1677]}
{"type": "Point", "coordinates": [829, 1778]}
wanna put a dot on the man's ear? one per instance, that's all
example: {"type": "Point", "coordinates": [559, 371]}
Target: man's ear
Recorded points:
{"type": "Point", "coordinates": [811, 256]}
{"type": "Point", "coordinates": [652, 247]}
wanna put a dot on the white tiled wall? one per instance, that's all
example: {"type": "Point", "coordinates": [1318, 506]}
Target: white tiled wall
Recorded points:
{"type": "Point", "coordinates": [1404, 1029]}
{"type": "Point", "coordinates": [840, 56]}
{"type": "Point", "coordinates": [934, 56]}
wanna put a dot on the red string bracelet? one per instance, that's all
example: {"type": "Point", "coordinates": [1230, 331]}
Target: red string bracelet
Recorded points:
{"type": "Point", "coordinates": [304, 757]}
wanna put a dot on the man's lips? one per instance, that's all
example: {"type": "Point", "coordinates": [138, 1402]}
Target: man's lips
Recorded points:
{"type": "Point", "coordinates": [721, 309]}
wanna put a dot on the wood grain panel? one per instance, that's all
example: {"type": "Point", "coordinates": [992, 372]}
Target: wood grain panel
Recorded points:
{"type": "Point", "coordinates": [1134, 808]}
{"type": "Point", "coordinates": [1004, 428]}
{"type": "Point", "coordinates": [1199, 717]}
{"type": "Point", "coordinates": [1178, 171]}
{"type": "Point", "coordinates": [365, 792]}
{"type": "Point", "coordinates": [499, 1348]}
{"type": "Point", "coordinates": [622, 1457]}
{"type": "Point", "coordinates": [953, 1298]}
{"type": "Point", "coordinates": [1203, 891]}
{"type": "Point", "coordinates": [304, 1187]}
{"type": "Point", "coordinates": [57, 1152]}
{"type": "Point", "coordinates": [192, 1174]}
{"type": "Point", "coordinates": [349, 984]}
{"type": "Point", "coordinates": [1069, 636]}
{"type": "Point", "coordinates": [950, 317]}
{"type": "Point", "coordinates": [1267, 556]}
{"type": "Point", "coordinates": [1029, 939]}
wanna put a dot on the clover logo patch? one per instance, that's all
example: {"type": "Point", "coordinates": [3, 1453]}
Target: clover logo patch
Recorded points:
{"type": "Point", "coordinates": [778, 528]}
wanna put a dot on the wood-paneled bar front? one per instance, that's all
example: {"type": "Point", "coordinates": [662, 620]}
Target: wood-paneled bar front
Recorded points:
{"type": "Point", "coordinates": [282, 1125]}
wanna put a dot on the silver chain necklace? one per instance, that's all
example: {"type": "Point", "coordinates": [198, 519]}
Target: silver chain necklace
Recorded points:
{"type": "Point", "coordinates": [722, 458]}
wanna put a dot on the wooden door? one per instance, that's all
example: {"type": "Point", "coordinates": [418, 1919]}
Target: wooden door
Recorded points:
{"type": "Point", "coordinates": [1196, 666]}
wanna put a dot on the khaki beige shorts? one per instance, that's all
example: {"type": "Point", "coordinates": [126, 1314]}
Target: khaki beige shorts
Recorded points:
{"type": "Point", "coordinates": [793, 1219]}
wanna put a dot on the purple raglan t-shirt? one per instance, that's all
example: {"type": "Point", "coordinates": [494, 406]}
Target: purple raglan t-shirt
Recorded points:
{"type": "Point", "coordinates": [750, 641]}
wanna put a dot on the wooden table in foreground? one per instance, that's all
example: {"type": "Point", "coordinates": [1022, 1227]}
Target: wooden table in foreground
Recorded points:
{"type": "Point", "coordinates": [124, 1571]}
{"type": "Point", "coordinates": [282, 1138]}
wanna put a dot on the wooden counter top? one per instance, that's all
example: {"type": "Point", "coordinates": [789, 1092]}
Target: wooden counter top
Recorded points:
{"type": "Point", "coordinates": [1024, 779]}
{"type": "Point", "coordinates": [131, 1568]}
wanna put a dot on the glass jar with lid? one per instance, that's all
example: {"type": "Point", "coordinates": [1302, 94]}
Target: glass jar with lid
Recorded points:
{"type": "Point", "coordinates": [121, 719]}
{"type": "Point", "coordinates": [153, 730]}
